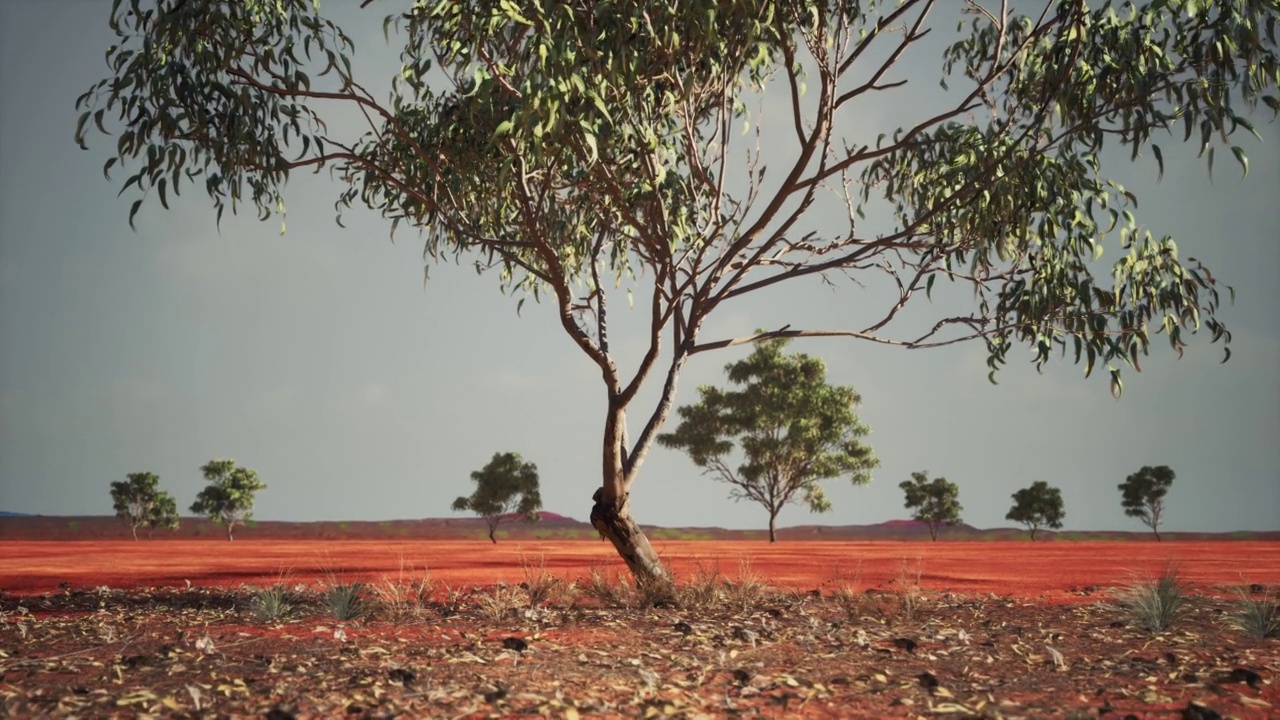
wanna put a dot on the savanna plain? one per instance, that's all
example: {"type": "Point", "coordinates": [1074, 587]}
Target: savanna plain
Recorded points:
{"type": "Point", "coordinates": [554, 628]}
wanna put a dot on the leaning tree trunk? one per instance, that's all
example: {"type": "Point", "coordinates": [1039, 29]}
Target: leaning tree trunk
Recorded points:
{"type": "Point", "coordinates": [612, 519]}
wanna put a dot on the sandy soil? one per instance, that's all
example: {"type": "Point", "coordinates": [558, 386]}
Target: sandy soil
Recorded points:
{"type": "Point", "coordinates": [1059, 570]}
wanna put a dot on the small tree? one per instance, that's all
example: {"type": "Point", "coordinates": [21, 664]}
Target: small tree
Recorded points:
{"type": "Point", "coordinates": [1143, 495]}
{"type": "Point", "coordinates": [140, 502]}
{"type": "Point", "coordinates": [794, 430]}
{"type": "Point", "coordinates": [936, 502]}
{"type": "Point", "coordinates": [505, 487]}
{"type": "Point", "coordinates": [228, 498]}
{"type": "Point", "coordinates": [1037, 506]}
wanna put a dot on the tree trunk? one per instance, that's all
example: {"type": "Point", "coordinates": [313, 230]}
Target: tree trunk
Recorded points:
{"type": "Point", "coordinates": [493, 539]}
{"type": "Point", "coordinates": [933, 531]}
{"type": "Point", "coordinates": [612, 519]}
{"type": "Point", "coordinates": [1157, 532]}
{"type": "Point", "coordinates": [1033, 534]}
{"type": "Point", "coordinates": [230, 527]}
{"type": "Point", "coordinates": [773, 534]}
{"type": "Point", "coordinates": [134, 530]}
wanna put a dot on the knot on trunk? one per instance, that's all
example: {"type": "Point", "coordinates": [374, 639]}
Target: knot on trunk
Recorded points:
{"type": "Point", "coordinates": [608, 517]}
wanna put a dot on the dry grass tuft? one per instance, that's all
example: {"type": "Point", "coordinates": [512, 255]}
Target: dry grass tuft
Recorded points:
{"type": "Point", "coordinates": [405, 596]}
{"type": "Point", "coordinates": [500, 602]}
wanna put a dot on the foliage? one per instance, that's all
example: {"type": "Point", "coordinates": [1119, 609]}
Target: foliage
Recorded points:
{"type": "Point", "coordinates": [1156, 605]}
{"type": "Point", "coordinates": [228, 498]}
{"type": "Point", "coordinates": [346, 600]}
{"type": "Point", "coordinates": [271, 604]}
{"type": "Point", "coordinates": [936, 502]}
{"type": "Point", "coordinates": [561, 146]}
{"type": "Point", "coordinates": [794, 430]}
{"type": "Point", "coordinates": [1143, 495]}
{"type": "Point", "coordinates": [1037, 506]}
{"type": "Point", "coordinates": [1257, 616]}
{"type": "Point", "coordinates": [506, 486]}
{"type": "Point", "coordinates": [139, 501]}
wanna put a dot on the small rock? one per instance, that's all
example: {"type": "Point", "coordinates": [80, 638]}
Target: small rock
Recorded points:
{"type": "Point", "coordinates": [515, 643]}
{"type": "Point", "coordinates": [402, 675]}
{"type": "Point", "coordinates": [905, 644]}
{"type": "Point", "coordinates": [1246, 676]}
{"type": "Point", "coordinates": [1256, 589]}
{"type": "Point", "coordinates": [495, 695]}
{"type": "Point", "coordinates": [742, 677]}
{"type": "Point", "coordinates": [276, 713]}
{"type": "Point", "coordinates": [1196, 711]}
{"type": "Point", "coordinates": [683, 627]}
{"type": "Point", "coordinates": [928, 681]}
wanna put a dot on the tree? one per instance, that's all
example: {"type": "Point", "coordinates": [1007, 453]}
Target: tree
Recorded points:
{"type": "Point", "coordinates": [793, 428]}
{"type": "Point", "coordinates": [228, 498]}
{"type": "Point", "coordinates": [1037, 506]}
{"type": "Point", "coordinates": [1143, 495]}
{"type": "Point", "coordinates": [139, 501]}
{"type": "Point", "coordinates": [936, 502]}
{"type": "Point", "coordinates": [574, 148]}
{"type": "Point", "coordinates": [505, 487]}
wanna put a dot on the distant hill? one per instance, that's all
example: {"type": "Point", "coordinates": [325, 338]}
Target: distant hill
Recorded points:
{"type": "Point", "coordinates": [6, 513]}
{"type": "Point", "coordinates": [552, 526]}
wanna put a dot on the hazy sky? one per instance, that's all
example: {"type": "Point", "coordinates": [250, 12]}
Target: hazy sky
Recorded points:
{"type": "Point", "coordinates": [319, 359]}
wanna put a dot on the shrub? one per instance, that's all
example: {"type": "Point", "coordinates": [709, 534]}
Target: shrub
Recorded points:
{"type": "Point", "coordinates": [1257, 616]}
{"type": "Point", "coordinates": [1156, 605]}
{"type": "Point", "coordinates": [345, 601]}
{"type": "Point", "coordinates": [271, 604]}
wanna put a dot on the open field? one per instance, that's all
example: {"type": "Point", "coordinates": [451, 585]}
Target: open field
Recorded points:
{"type": "Point", "coordinates": [821, 629]}
{"type": "Point", "coordinates": [1022, 569]}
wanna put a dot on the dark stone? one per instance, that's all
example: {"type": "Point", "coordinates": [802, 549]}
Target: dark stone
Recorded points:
{"type": "Point", "coordinates": [683, 627]}
{"type": "Point", "coordinates": [905, 644]}
{"type": "Point", "coordinates": [515, 643]}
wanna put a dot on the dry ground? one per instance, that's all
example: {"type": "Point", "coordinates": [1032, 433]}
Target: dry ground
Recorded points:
{"type": "Point", "coordinates": [997, 630]}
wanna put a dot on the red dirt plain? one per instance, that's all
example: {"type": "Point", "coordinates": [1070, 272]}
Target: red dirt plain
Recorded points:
{"type": "Point", "coordinates": [1048, 571]}
{"type": "Point", "coordinates": [992, 630]}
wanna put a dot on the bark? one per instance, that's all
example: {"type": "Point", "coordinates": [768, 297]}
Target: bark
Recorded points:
{"type": "Point", "coordinates": [134, 530]}
{"type": "Point", "coordinates": [492, 528]}
{"type": "Point", "coordinates": [230, 527]}
{"type": "Point", "coordinates": [773, 534]}
{"type": "Point", "coordinates": [611, 517]}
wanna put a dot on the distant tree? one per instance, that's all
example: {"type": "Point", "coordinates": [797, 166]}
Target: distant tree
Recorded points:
{"type": "Point", "coordinates": [140, 502]}
{"type": "Point", "coordinates": [793, 428]}
{"type": "Point", "coordinates": [936, 502]}
{"type": "Point", "coordinates": [228, 498]}
{"type": "Point", "coordinates": [505, 487]}
{"type": "Point", "coordinates": [1143, 495]}
{"type": "Point", "coordinates": [164, 515]}
{"type": "Point", "coordinates": [1037, 506]}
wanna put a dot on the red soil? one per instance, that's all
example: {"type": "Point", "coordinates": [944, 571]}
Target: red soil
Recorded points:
{"type": "Point", "coordinates": [1053, 571]}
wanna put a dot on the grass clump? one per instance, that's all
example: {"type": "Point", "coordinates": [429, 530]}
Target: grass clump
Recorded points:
{"type": "Point", "coordinates": [345, 601]}
{"type": "Point", "coordinates": [705, 588]}
{"type": "Point", "coordinates": [747, 590]}
{"type": "Point", "coordinates": [543, 587]}
{"type": "Point", "coordinates": [1156, 604]}
{"type": "Point", "coordinates": [405, 596]}
{"type": "Point", "coordinates": [1258, 615]}
{"type": "Point", "coordinates": [606, 591]}
{"type": "Point", "coordinates": [499, 603]}
{"type": "Point", "coordinates": [271, 604]}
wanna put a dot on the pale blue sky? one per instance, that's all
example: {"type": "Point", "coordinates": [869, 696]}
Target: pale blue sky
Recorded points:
{"type": "Point", "coordinates": [319, 359]}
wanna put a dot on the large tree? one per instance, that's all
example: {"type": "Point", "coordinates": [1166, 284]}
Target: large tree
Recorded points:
{"type": "Point", "coordinates": [1142, 495]}
{"type": "Point", "coordinates": [934, 502]}
{"type": "Point", "coordinates": [139, 501]}
{"type": "Point", "coordinates": [794, 431]}
{"type": "Point", "coordinates": [228, 498]}
{"type": "Point", "coordinates": [1037, 506]}
{"type": "Point", "coordinates": [566, 147]}
{"type": "Point", "coordinates": [506, 487]}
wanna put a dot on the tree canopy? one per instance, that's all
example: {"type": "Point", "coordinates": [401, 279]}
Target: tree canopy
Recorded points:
{"type": "Point", "coordinates": [139, 501]}
{"type": "Point", "coordinates": [1037, 506]}
{"type": "Point", "coordinates": [792, 429]}
{"type": "Point", "coordinates": [934, 502]}
{"type": "Point", "coordinates": [1142, 495]}
{"type": "Point", "coordinates": [564, 147]}
{"type": "Point", "coordinates": [228, 498]}
{"type": "Point", "coordinates": [506, 486]}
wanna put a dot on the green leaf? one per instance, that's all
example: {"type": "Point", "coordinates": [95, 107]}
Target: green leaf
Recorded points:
{"type": "Point", "coordinates": [1155, 150]}
{"type": "Point", "coordinates": [137, 204]}
{"type": "Point", "coordinates": [1240, 157]}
